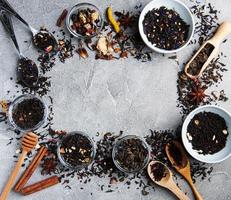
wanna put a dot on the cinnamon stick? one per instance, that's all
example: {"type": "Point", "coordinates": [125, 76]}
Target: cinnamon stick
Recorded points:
{"type": "Point", "coordinates": [61, 19]}
{"type": "Point", "coordinates": [40, 185]}
{"type": "Point", "coordinates": [31, 168]}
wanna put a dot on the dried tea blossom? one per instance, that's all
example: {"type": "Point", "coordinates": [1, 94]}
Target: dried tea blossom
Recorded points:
{"type": "Point", "coordinates": [131, 154]}
{"type": "Point", "coordinates": [207, 132]}
{"type": "Point", "coordinates": [85, 22]}
{"type": "Point", "coordinates": [76, 150]}
{"type": "Point", "coordinates": [28, 72]}
{"type": "Point", "coordinates": [28, 113]}
{"type": "Point", "coordinates": [158, 171]}
{"type": "Point", "coordinates": [165, 28]}
{"type": "Point", "coordinates": [44, 41]}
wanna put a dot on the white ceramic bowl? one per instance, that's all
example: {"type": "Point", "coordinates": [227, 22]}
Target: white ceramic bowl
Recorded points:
{"type": "Point", "coordinates": [180, 8]}
{"type": "Point", "coordinates": [209, 158]}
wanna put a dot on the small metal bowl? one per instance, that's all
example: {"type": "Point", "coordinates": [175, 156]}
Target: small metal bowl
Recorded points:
{"type": "Point", "coordinates": [68, 165]}
{"type": "Point", "coordinates": [116, 150]}
{"type": "Point", "coordinates": [83, 6]}
{"type": "Point", "coordinates": [15, 103]}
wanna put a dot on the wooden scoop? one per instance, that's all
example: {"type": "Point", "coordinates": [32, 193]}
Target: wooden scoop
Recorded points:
{"type": "Point", "coordinates": [29, 142]}
{"type": "Point", "coordinates": [183, 166]}
{"type": "Point", "coordinates": [223, 31]}
{"type": "Point", "coordinates": [167, 181]}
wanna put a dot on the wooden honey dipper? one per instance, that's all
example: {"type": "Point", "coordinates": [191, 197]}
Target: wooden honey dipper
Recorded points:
{"type": "Point", "coordinates": [29, 142]}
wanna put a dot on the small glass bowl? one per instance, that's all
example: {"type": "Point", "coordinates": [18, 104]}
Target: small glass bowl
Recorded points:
{"type": "Point", "coordinates": [15, 103]}
{"type": "Point", "coordinates": [68, 165]}
{"type": "Point", "coordinates": [82, 6]}
{"type": "Point", "coordinates": [115, 151]}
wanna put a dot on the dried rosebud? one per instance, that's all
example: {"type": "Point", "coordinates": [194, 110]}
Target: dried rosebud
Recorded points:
{"type": "Point", "coordinates": [82, 52]}
{"type": "Point", "coordinates": [49, 49]}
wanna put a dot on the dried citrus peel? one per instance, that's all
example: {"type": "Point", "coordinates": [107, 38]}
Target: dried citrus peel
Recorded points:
{"type": "Point", "coordinates": [115, 24]}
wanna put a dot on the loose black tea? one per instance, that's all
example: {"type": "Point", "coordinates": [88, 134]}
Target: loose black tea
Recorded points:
{"type": "Point", "coordinates": [77, 150]}
{"type": "Point", "coordinates": [28, 72]}
{"type": "Point", "coordinates": [28, 113]}
{"type": "Point", "coordinates": [207, 132]}
{"type": "Point", "coordinates": [44, 41]}
{"type": "Point", "coordinates": [131, 154]}
{"type": "Point", "coordinates": [165, 28]}
{"type": "Point", "coordinates": [198, 62]}
{"type": "Point", "coordinates": [177, 155]}
{"type": "Point", "coordinates": [85, 22]}
{"type": "Point", "coordinates": [158, 171]}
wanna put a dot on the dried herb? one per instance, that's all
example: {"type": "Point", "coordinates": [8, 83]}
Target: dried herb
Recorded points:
{"type": "Point", "coordinates": [44, 41]}
{"type": "Point", "coordinates": [28, 72]}
{"type": "Point", "coordinates": [199, 61]}
{"type": "Point", "coordinates": [165, 28]}
{"type": "Point", "coordinates": [28, 113]}
{"type": "Point", "coordinates": [76, 150]}
{"type": "Point", "coordinates": [131, 154]}
{"type": "Point", "coordinates": [207, 132]}
{"type": "Point", "coordinates": [158, 171]}
{"type": "Point", "coordinates": [85, 22]}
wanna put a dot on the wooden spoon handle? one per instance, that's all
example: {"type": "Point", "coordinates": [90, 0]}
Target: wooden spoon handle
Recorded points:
{"type": "Point", "coordinates": [194, 189]}
{"type": "Point", "coordinates": [223, 31]}
{"type": "Point", "coordinates": [179, 193]}
{"type": "Point", "coordinates": [12, 178]}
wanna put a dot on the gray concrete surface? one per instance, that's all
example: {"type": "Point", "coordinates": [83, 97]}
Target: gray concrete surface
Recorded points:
{"type": "Point", "coordinates": [95, 95]}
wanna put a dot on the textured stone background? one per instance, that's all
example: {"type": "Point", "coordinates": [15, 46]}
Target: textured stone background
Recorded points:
{"type": "Point", "coordinates": [105, 96]}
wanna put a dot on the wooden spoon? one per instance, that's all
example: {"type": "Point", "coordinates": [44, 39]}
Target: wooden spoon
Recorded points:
{"type": "Point", "coordinates": [29, 142]}
{"type": "Point", "coordinates": [167, 181]}
{"type": "Point", "coordinates": [182, 165]}
{"type": "Point", "coordinates": [223, 31]}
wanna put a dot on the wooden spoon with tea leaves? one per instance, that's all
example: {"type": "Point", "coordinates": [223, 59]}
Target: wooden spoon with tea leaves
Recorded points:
{"type": "Point", "coordinates": [29, 142]}
{"type": "Point", "coordinates": [162, 176]}
{"type": "Point", "coordinates": [207, 52]}
{"type": "Point", "coordinates": [178, 158]}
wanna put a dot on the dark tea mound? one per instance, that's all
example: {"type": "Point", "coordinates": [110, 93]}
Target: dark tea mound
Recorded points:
{"type": "Point", "coordinates": [165, 28]}
{"type": "Point", "coordinates": [44, 41]}
{"type": "Point", "coordinates": [131, 154]}
{"type": "Point", "coordinates": [207, 132]}
{"type": "Point", "coordinates": [28, 72]}
{"type": "Point", "coordinates": [198, 62]}
{"type": "Point", "coordinates": [76, 150]}
{"type": "Point", "coordinates": [28, 113]}
{"type": "Point", "coordinates": [158, 171]}
{"type": "Point", "coordinates": [177, 155]}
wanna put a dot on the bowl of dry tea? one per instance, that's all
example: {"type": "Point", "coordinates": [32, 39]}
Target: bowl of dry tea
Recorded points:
{"type": "Point", "coordinates": [166, 26]}
{"type": "Point", "coordinates": [76, 150]}
{"type": "Point", "coordinates": [84, 21]}
{"type": "Point", "coordinates": [27, 112]}
{"type": "Point", "coordinates": [206, 134]}
{"type": "Point", "coordinates": [130, 154]}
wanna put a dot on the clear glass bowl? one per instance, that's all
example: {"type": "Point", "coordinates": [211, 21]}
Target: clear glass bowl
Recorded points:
{"type": "Point", "coordinates": [68, 165]}
{"type": "Point", "coordinates": [83, 6]}
{"type": "Point", "coordinates": [15, 103]}
{"type": "Point", "coordinates": [115, 151]}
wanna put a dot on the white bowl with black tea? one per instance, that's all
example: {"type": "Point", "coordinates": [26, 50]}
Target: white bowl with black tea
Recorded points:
{"type": "Point", "coordinates": [166, 26]}
{"type": "Point", "coordinates": [76, 150]}
{"type": "Point", "coordinates": [130, 154]}
{"type": "Point", "coordinates": [27, 113]}
{"type": "Point", "coordinates": [206, 134]}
